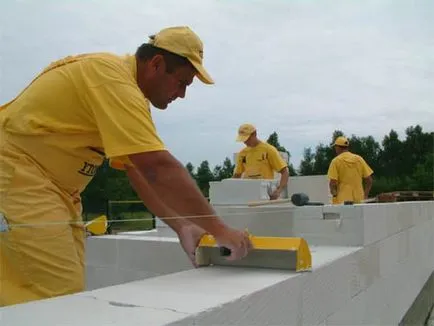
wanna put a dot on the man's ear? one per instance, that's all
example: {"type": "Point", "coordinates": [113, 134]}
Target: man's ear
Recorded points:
{"type": "Point", "coordinates": [157, 63]}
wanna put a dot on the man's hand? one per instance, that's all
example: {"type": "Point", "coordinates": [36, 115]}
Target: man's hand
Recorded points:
{"type": "Point", "coordinates": [333, 186]}
{"type": "Point", "coordinates": [275, 194]}
{"type": "Point", "coordinates": [236, 241]}
{"type": "Point", "coordinates": [189, 238]}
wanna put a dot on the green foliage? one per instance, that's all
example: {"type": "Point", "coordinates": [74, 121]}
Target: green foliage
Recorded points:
{"type": "Point", "coordinates": [190, 168]}
{"type": "Point", "coordinates": [273, 139]}
{"type": "Point", "coordinates": [307, 163]}
{"type": "Point", "coordinates": [203, 177]}
{"type": "Point", "coordinates": [398, 164]}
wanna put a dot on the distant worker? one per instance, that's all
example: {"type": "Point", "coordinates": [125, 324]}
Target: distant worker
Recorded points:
{"type": "Point", "coordinates": [259, 160]}
{"type": "Point", "coordinates": [54, 135]}
{"type": "Point", "coordinates": [350, 176]}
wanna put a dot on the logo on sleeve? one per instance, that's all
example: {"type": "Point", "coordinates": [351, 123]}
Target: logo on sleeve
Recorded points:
{"type": "Point", "coordinates": [88, 169]}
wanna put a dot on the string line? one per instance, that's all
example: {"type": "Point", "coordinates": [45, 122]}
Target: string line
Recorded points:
{"type": "Point", "coordinates": [18, 225]}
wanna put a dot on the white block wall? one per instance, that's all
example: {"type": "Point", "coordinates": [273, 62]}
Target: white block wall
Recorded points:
{"type": "Point", "coordinates": [399, 267]}
{"type": "Point", "coordinates": [315, 186]}
{"type": "Point", "coordinates": [373, 284]}
{"type": "Point", "coordinates": [118, 259]}
{"type": "Point", "coordinates": [241, 191]}
{"type": "Point", "coordinates": [319, 225]}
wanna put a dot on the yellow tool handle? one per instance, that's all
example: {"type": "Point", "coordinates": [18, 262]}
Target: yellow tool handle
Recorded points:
{"type": "Point", "coordinates": [268, 202]}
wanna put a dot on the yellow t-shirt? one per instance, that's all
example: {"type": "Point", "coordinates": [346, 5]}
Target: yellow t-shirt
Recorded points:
{"type": "Point", "coordinates": [78, 111]}
{"type": "Point", "coordinates": [349, 170]}
{"type": "Point", "coordinates": [259, 162]}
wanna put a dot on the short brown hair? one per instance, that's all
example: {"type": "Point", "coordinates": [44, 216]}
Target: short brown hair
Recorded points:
{"type": "Point", "coordinates": [173, 61]}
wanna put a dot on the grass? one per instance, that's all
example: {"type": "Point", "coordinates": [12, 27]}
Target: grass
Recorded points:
{"type": "Point", "coordinates": [120, 222]}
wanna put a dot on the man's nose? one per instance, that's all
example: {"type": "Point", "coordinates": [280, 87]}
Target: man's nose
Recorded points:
{"type": "Point", "coordinates": [181, 92]}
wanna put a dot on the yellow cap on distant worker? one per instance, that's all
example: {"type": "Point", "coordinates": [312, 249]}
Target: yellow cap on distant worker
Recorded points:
{"type": "Point", "coordinates": [244, 132]}
{"type": "Point", "coordinates": [341, 141]}
{"type": "Point", "coordinates": [183, 41]}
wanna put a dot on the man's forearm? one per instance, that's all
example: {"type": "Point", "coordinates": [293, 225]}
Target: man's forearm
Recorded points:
{"type": "Point", "coordinates": [284, 177]}
{"type": "Point", "coordinates": [153, 202]}
{"type": "Point", "coordinates": [367, 186]}
{"type": "Point", "coordinates": [333, 186]}
{"type": "Point", "coordinates": [173, 184]}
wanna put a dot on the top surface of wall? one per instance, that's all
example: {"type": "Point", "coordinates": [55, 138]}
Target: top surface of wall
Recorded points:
{"type": "Point", "coordinates": [158, 300]}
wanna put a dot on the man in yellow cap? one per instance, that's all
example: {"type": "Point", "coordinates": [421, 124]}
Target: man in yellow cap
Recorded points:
{"type": "Point", "coordinates": [259, 160]}
{"type": "Point", "coordinates": [350, 176]}
{"type": "Point", "coordinates": [55, 134]}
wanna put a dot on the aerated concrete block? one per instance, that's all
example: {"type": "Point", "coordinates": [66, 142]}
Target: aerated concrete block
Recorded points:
{"type": "Point", "coordinates": [308, 213]}
{"type": "Point", "coordinates": [99, 277]}
{"type": "Point", "coordinates": [376, 222]}
{"type": "Point", "coordinates": [315, 186]}
{"type": "Point", "coordinates": [116, 259]}
{"type": "Point", "coordinates": [76, 310]}
{"type": "Point", "coordinates": [343, 211]}
{"type": "Point", "coordinates": [384, 302]}
{"type": "Point", "coordinates": [238, 191]}
{"type": "Point", "coordinates": [276, 222]}
{"type": "Point", "coordinates": [101, 251]}
{"type": "Point", "coordinates": [405, 263]}
{"type": "Point", "coordinates": [330, 232]}
{"type": "Point", "coordinates": [319, 225]}
{"type": "Point", "coordinates": [385, 219]}
{"type": "Point", "coordinates": [156, 255]}
{"type": "Point", "coordinates": [241, 191]}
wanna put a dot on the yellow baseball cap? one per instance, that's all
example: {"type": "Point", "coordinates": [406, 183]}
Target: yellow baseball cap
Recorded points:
{"type": "Point", "coordinates": [341, 141]}
{"type": "Point", "coordinates": [244, 132]}
{"type": "Point", "coordinates": [183, 41]}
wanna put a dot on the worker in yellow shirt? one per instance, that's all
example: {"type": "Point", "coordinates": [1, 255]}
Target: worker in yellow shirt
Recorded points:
{"type": "Point", "coordinates": [55, 134]}
{"type": "Point", "coordinates": [259, 160]}
{"type": "Point", "coordinates": [350, 177]}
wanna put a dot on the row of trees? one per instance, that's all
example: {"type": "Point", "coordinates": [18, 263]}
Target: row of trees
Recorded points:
{"type": "Point", "coordinates": [398, 164]}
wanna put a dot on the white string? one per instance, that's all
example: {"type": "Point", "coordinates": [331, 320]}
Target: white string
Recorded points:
{"type": "Point", "coordinates": [20, 225]}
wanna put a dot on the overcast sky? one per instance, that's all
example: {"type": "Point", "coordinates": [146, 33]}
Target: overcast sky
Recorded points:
{"type": "Point", "coordinates": [301, 68]}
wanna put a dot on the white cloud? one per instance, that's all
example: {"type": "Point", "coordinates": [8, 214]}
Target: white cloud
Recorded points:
{"type": "Point", "coordinates": [300, 68]}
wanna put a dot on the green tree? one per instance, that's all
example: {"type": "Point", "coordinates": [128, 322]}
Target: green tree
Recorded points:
{"type": "Point", "coordinates": [390, 156]}
{"type": "Point", "coordinates": [317, 163]}
{"type": "Point", "coordinates": [217, 173]}
{"type": "Point", "coordinates": [94, 197]}
{"type": "Point", "coordinates": [190, 168]}
{"type": "Point", "coordinates": [273, 139]}
{"type": "Point", "coordinates": [224, 171]}
{"type": "Point", "coordinates": [227, 169]}
{"type": "Point", "coordinates": [423, 176]}
{"type": "Point", "coordinates": [323, 156]}
{"type": "Point", "coordinates": [307, 163]}
{"type": "Point", "coordinates": [367, 148]}
{"type": "Point", "coordinates": [203, 177]}
{"type": "Point", "coordinates": [415, 147]}
{"type": "Point", "coordinates": [398, 165]}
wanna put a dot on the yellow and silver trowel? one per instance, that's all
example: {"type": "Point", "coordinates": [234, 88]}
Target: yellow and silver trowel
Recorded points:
{"type": "Point", "coordinates": [268, 252]}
